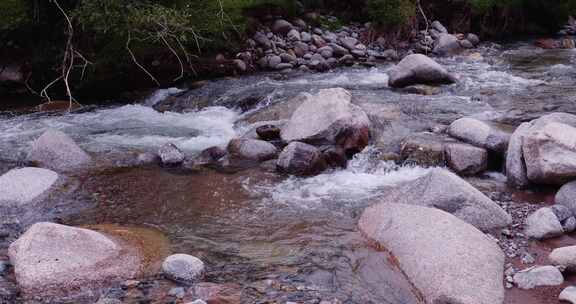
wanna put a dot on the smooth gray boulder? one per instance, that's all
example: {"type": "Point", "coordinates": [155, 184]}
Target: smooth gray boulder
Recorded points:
{"type": "Point", "coordinates": [515, 163]}
{"type": "Point", "coordinates": [282, 27]}
{"type": "Point", "coordinates": [436, 25]}
{"type": "Point", "coordinates": [20, 187]}
{"type": "Point", "coordinates": [480, 133]}
{"type": "Point", "coordinates": [183, 268]}
{"type": "Point", "coordinates": [446, 259]}
{"type": "Point", "coordinates": [301, 159]}
{"type": "Point", "coordinates": [447, 45]}
{"type": "Point", "coordinates": [57, 151]}
{"type": "Point", "coordinates": [515, 157]}
{"type": "Point", "coordinates": [568, 295]}
{"type": "Point", "coordinates": [473, 38]}
{"type": "Point", "coordinates": [418, 69]}
{"type": "Point", "coordinates": [566, 196]}
{"type": "Point", "coordinates": [251, 149]}
{"type": "Point", "coordinates": [565, 257]}
{"type": "Point", "coordinates": [329, 118]}
{"type": "Point", "coordinates": [466, 159]}
{"type": "Point", "coordinates": [538, 276]}
{"type": "Point", "coordinates": [446, 191]}
{"type": "Point", "coordinates": [550, 154]}
{"type": "Point", "coordinates": [543, 224]}
{"type": "Point", "coordinates": [50, 258]}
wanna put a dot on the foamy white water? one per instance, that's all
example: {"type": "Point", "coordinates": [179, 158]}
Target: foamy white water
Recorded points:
{"type": "Point", "coordinates": [160, 95]}
{"type": "Point", "coordinates": [126, 127]}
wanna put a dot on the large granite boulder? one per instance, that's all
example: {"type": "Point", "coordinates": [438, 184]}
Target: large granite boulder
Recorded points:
{"type": "Point", "coordinates": [564, 257]}
{"type": "Point", "coordinates": [466, 159]}
{"type": "Point", "coordinates": [566, 196]}
{"type": "Point", "coordinates": [446, 191]}
{"type": "Point", "coordinates": [538, 276]}
{"type": "Point", "coordinates": [20, 187]}
{"type": "Point", "coordinates": [543, 224]}
{"type": "Point", "coordinates": [480, 133]}
{"type": "Point", "coordinates": [418, 69]}
{"type": "Point", "coordinates": [550, 154]}
{"type": "Point", "coordinates": [301, 159]}
{"type": "Point", "coordinates": [329, 118]}
{"type": "Point", "coordinates": [251, 149]}
{"type": "Point", "coordinates": [447, 45]}
{"type": "Point", "coordinates": [447, 260]}
{"type": "Point", "coordinates": [516, 168]}
{"type": "Point", "coordinates": [51, 258]}
{"type": "Point", "coordinates": [56, 151]}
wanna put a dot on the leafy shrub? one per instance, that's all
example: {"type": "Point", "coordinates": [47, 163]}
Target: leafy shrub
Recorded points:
{"type": "Point", "coordinates": [391, 12]}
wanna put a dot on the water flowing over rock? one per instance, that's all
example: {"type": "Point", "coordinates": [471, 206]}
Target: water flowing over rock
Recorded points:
{"type": "Point", "coordinates": [481, 133]}
{"type": "Point", "coordinates": [448, 260]}
{"type": "Point", "coordinates": [550, 154]}
{"type": "Point", "coordinates": [56, 151]}
{"type": "Point", "coordinates": [183, 268]}
{"type": "Point", "coordinates": [516, 163]}
{"type": "Point", "coordinates": [543, 224]}
{"type": "Point", "coordinates": [51, 258]}
{"type": "Point", "coordinates": [301, 159]}
{"type": "Point", "coordinates": [251, 149]}
{"type": "Point", "coordinates": [446, 191]}
{"type": "Point", "coordinates": [566, 196]}
{"type": "Point", "coordinates": [564, 257]}
{"type": "Point", "coordinates": [538, 276]}
{"type": "Point", "coordinates": [418, 69]}
{"type": "Point", "coordinates": [20, 187]}
{"type": "Point", "coordinates": [329, 118]}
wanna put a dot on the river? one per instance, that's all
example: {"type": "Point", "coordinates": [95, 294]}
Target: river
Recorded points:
{"type": "Point", "coordinates": [253, 225]}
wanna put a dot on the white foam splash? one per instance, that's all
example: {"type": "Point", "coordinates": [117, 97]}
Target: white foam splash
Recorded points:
{"type": "Point", "coordinates": [131, 126]}
{"type": "Point", "coordinates": [362, 180]}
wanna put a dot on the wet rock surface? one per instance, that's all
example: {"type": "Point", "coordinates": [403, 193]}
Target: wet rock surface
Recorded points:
{"type": "Point", "coordinates": [56, 150]}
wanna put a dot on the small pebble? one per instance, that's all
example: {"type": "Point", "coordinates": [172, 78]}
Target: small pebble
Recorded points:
{"type": "Point", "coordinates": [177, 292]}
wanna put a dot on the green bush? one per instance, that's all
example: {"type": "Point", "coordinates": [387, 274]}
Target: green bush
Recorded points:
{"type": "Point", "coordinates": [391, 12]}
{"type": "Point", "coordinates": [13, 13]}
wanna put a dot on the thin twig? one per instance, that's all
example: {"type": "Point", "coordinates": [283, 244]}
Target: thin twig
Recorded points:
{"type": "Point", "coordinates": [136, 61]}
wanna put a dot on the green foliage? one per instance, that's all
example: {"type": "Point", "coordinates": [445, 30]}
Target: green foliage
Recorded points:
{"type": "Point", "coordinates": [391, 12]}
{"type": "Point", "coordinates": [13, 13]}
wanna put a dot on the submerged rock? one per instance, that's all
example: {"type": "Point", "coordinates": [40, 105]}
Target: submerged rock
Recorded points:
{"type": "Point", "coordinates": [448, 260]}
{"type": "Point", "coordinates": [446, 191]}
{"type": "Point", "coordinates": [542, 224]}
{"type": "Point", "coordinates": [329, 118]}
{"type": "Point", "coordinates": [183, 268]}
{"type": "Point", "coordinates": [425, 149]}
{"type": "Point", "coordinates": [480, 133]}
{"type": "Point", "coordinates": [56, 151]}
{"type": "Point", "coordinates": [51, 258]}
{"type": "Point", "coordinates": [418, 69]}
{"type": "Point", "coordinates": [301, 159]}
{"type": "Point", "coordinates": [538, 276]}
{"type": "Point", "coordinates": [20, 187]}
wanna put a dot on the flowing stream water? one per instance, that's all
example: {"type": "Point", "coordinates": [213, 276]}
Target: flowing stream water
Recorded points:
{"type": "Point", "coordinates": [253, 225]}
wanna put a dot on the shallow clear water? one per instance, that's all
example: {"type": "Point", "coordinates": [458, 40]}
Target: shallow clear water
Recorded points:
{"type": "Point", "coordinates": [252, 225]}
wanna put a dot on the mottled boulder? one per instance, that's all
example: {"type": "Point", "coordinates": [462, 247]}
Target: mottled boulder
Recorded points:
{"type": "Point", "coordinates": [550, 154]}
{"type": "Point", "coordinates": [251, 149]}
{"type": "Point", "coordinates": [538, 276]}
{"type": "Point", "coordinates": [171, 155]}
{"type": "Point", "coordinates": [183, 268]}
{"type": "Point", "coordinates": [543, 224]}
{"type": "Point", "coordinates": [56, 151]}
{"type": "Point", "coordinates": [566, 196]}
{"type": "Point", "coordinates": [51, 258]}
{"type": "Point", "coordinates": [301, 159]}
{"type": "Point", "coordinates": [480, 133]}
{"type": "Point", "coordinates": [446, 191]}
{"type": "Point", "coordinates": [446, 259]}
{"type": "Point", "coordinates": [20, 187]}
{"type": "Point", "coordinates": [565, 257]}
{"type": "Point", "coordinates": [466, 159]}
{"type": "Point", "coordinates": [329, 118]}
{"type": "Point", "coordinates": [418, 69]}
{"type": "Point", "coordinates": [447, 45]}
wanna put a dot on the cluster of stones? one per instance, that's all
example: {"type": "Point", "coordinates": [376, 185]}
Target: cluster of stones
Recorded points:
{"type": "Point", "coordinates": [286, 45]}
{"type": "Point", "coordinates": [437, 40]}
{"type": "Point", "coordinates": [569, 28]}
